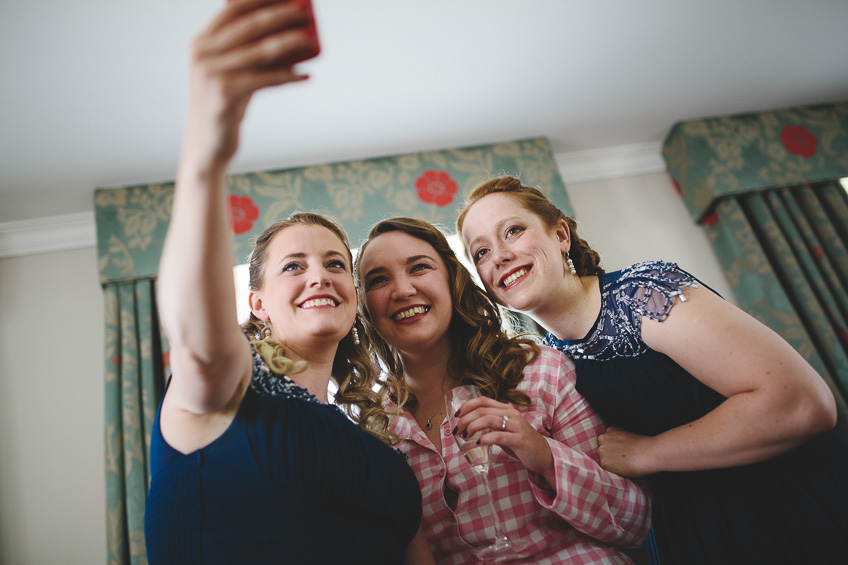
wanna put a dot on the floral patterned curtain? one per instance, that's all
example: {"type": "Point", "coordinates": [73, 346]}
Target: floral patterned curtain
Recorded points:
{"type": "Point", "coordinates": [131, 225]}
{"type": "Point", "coordinates": [764, 187]}
{"type": "Point", "coordinates": [134, 378]}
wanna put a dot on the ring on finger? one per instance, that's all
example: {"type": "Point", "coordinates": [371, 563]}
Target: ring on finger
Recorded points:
{"type": "Point", "coordinates": [503, 422]}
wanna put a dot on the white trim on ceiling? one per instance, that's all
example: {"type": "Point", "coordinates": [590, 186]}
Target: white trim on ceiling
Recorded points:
{"type": "Point", "coordinates": [74, 231]}
{"type": "Point", "coordinates": [44, 235]}
{"type": "Point", "coordinates": [610, 162]}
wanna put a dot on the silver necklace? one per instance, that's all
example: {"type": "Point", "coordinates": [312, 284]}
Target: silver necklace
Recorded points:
{"type": "Point", "coordinates": [429, 423]}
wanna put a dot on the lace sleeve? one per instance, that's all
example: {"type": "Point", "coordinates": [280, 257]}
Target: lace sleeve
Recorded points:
{"type": "Point", "coordinates": [649, 289]}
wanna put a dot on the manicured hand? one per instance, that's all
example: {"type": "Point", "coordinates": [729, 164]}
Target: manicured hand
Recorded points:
{"type": "Point", "coordinates": [515, 435]}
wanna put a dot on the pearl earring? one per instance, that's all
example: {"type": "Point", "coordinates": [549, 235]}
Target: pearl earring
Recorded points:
{"type": "Point", "coordinates": [570, 264]}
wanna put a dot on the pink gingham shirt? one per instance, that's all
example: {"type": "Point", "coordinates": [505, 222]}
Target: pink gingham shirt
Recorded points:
{"type": "Point", "coordinates": [591, 510]}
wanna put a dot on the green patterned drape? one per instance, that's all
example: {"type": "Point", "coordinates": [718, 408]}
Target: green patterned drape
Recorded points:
{"type": "Point", "coordinates": [714, 158]}
{"type": "Point", "coordinates": [764, 187]}
{"type": "Point", "coordinates": [135, 366]}
{"type": "Point", "coordinates": [131, 226]}
{"type": "Point", "coordinates": [131, 221]}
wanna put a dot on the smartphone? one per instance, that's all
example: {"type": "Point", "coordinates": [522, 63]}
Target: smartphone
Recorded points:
{"type": "Point", "coordinates": [311, 29]}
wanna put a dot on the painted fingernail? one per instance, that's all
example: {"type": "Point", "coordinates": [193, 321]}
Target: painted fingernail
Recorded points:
{"type": "Point", "coordinates": [456, 415]}
{"type": "Point", "coordinates": [463, 434]}
{"type": "Point", "coordinates": [453, 431]}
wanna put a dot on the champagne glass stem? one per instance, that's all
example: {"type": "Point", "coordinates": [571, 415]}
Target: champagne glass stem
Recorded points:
{"type": "Point", "coordinates": [499, 535]}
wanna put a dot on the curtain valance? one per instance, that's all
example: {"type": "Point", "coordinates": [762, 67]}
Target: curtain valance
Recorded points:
{"type": "Point", "coordinates": [132, 221]}
{"type": "Point", "coordinates": [718, 157]}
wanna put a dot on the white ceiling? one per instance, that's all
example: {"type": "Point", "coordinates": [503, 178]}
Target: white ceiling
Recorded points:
{"type": "Point", "coordinates": [92, 91]}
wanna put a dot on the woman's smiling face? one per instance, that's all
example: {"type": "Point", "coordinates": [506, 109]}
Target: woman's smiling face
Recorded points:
{"type": "Point", "coordinates": [307, 289]}
{"type": "Point", "coordinates": [517, 256]}
{"type": "Point", "coordinates": [407, 293]}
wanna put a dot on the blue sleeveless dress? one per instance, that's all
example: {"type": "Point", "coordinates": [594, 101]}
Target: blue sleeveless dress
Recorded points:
{"type": "Point", "coordinates": [791, 509]}
{"type": "Point", "coordinates": [290, 481]}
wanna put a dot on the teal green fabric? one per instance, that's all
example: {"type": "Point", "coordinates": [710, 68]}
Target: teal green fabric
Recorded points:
{"type": "Point", "coordinates": [135, 369]}
{"type": "Point", "coordinates": [718, 157]}
{"type": "Point", "coordinates": [132, 221]}
{"type": "Point", "coordinates": [131, 226]}
{"type": "Point", "coordinates": [787, 268]}
{"type": "Point", "coordinates": [764, 186]}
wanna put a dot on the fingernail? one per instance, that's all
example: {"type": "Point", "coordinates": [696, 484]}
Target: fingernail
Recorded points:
{"type": "Point", "coordinates": [453, 431]}
{"type": "Point", "coordinates": [456, 414]}
{"type": "Point", "coordinates": [463, 434]}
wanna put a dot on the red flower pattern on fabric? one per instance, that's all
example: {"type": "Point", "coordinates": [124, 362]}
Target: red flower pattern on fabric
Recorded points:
{"type": "Point", "coordinates": [798, 140]}
{"type": "Point", "coordinates": [710, 219]}
{"type": "Point", "coordinates": [436, 187]}
{"type": "Point", "coordinates": [676, 186]}
{"type": "Point", "coordinates": [818, 253]}
{"type": "Point", "coordinates": [243, 212]}
{"type": "Point", "coordinates": [843, 333]}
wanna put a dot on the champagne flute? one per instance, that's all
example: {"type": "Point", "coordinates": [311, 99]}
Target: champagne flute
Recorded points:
{"type": "Point", "coordinates": [479, 457]}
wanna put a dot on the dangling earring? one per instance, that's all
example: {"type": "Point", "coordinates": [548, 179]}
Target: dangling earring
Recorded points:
{"type": "Point", "coordinates": [570, 264]}
{"type": "Point", "coordinates": [273, 354]}
{"type": "Point", "coordinates": [355, 333]}
{"type": "Point", "coordinates": [265, 333]}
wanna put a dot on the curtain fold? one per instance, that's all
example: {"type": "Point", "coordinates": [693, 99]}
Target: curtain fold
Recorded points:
{"type": "Point", "coordinates": [787, 263]}
{"type": "Point", "coordinates": [134, 382]}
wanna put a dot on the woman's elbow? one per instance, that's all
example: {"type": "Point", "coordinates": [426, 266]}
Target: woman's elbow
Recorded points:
{"type": "Point", "coordinates": [816, 413]}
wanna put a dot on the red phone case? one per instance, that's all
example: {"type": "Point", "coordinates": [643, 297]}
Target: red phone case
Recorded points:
{"type": "Point", "coordinates": [311, 29]}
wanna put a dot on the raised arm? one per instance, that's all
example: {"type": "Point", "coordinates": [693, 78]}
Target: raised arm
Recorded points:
{"type": "Point", "coordinates": [775, 399]}
{"type": "Point", "coordinates": [251, 44]}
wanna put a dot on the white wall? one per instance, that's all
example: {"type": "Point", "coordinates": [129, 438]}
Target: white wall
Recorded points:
{"type": "Point", "coordinates": [641, 218]}
{"type": "Point", "coordinates": [52, 496]}
{"type": "Point", "coordinates": [52, 481]}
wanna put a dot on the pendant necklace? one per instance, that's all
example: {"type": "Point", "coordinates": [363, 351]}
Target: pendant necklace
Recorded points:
{"type": "Point", "coordinates": [429, 424]}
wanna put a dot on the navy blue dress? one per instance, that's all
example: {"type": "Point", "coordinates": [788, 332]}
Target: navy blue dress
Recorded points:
{"type": "Point", "coordinates": [791, 509]}
{"type": "Point", "coordinates": [291, 480]}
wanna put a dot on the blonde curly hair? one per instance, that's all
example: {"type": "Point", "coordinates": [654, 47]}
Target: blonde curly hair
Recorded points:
{"type": "Point", "coordinates": [353, 370]}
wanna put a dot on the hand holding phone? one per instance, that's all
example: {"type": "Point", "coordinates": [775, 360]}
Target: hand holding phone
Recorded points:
{"type": "Point", "coordinates": [311, 29]}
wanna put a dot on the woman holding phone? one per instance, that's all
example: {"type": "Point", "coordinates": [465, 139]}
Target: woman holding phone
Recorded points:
{"type": "Point", "coordinates": [435, 330]}
{"type": "Point", "coordinates": [249, 461]}
{"type": "Point", "coordinates": [729, 424]}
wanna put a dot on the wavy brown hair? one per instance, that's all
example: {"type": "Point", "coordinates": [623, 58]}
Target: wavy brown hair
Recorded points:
{"type": "Point", "coordinates": [353, 370]}
{"type": "Point", "coordinates": [586, 260]}
{"type": "Point", "coordinates": [482, 353]}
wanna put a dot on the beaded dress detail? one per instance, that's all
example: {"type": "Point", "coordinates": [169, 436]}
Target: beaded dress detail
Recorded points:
{"type": "Point", "coordinates": [645, 289]}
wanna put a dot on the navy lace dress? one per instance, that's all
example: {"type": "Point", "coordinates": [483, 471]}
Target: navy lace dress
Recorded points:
{"type": "Point", "coordinates": [790, 509]}
{"type": "Point", "coordinates": [291, 480]}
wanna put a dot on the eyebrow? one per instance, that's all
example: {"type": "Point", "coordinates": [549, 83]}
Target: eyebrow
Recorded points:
{"type": "Point", "coordinates": [409, 260]}
{"type": "Point", "coordinates": [302, 255]}
{"type": "Point", "coordinates": [498, 226]}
